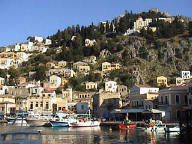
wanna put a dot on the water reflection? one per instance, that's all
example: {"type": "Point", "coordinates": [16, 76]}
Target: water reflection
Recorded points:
{"type": "Point", "coordinates": [99, 135]}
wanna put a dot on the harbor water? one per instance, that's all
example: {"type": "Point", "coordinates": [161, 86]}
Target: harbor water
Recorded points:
{"type": "Point", "coordinates": [98, 135]}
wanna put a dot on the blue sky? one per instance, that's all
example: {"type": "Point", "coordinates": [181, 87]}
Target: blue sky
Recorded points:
{"type": "Point", "coordinates": [22, 18]}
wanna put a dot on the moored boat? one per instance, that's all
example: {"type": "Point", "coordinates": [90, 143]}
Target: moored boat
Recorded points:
{"type": "Point", "coordinates": [172, 129]}
{"type": "Point", "coordinates": [36, 122]}
{"type": "Point", "coordinates": [127, 126]}
{"type": "Point", "coordinates": [85, 123]}
{"type": "Point", "coordinates": [59, 123]}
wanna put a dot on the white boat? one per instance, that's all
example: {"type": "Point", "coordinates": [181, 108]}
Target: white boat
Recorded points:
{"type": "Point", "coordinates": [21, 137]}
{"type": "Point", "coordinates": [38, 121]}
{"type": "Point", "coordinates": [172, 129]}
{"type": "Point", "coordinates": [18, 121]}
{"type": "Point", "coordinates": [85, 123]}
{"type": "Point", "coordinates": [62, 120]}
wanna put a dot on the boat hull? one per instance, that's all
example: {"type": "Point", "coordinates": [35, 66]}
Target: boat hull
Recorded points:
{"type": "Point", "coordinates": [59, 124]}
{"type": "Point", "coordinates": [85, 124]}
{"type": "Point", "coordinates": [36, 123]}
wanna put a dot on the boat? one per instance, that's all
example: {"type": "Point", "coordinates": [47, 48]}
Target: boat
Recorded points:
{"type": "Point", "coordinates": [38, 120]}
{"type": "Point", "coordinates": [85, 123]}
{"type": "Point", "coordinates": [59, 123]}
{"type": "Point", "coordinates": [18, 121]}
{"type": "Point", "coordinates": [24, 136]}
{"type": "Point", "coordinates": [169, 129]}
{"type": "Point", "coordinates": [62, 119]}
{"type": "Point", "coordinates": [127, 126]}
{"type": "Point", "coordinates": [160, 128]}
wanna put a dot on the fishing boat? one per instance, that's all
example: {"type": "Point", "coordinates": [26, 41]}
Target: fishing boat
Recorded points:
{"type": "Point", "coordinates": [85, 123]}
{"type": "Point", "coordinates": [21, 137]}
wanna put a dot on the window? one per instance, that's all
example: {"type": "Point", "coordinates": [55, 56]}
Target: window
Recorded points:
{"type": "Point", "coordinates": [31, 105]}
{"type": "Point", "coordinates": [166, 99]}
{"type": "Point", "coordinates": [186, 99]}
{"type": "Point", "coordinates": [161, 99]}
{"type": "Point", "coordinates": [177, 99]}
{"type": "Point", "coordinates": [82, 107]}
{"type": "Point", "coordinates": [37, 104]}
{"type": "Point", "coordinates": [47, 105]}
{"type": "Point", "coordinates": [41, 105]}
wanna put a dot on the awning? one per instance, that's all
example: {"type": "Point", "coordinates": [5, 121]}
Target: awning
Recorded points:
{"type": "Point", "coordinates": [128, 110]}
{"type": "Point", "coordinates": [134, 110]}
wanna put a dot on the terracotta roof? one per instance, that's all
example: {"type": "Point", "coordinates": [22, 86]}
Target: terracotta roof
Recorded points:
{"type": "Point", "coordinates": [179, 86]}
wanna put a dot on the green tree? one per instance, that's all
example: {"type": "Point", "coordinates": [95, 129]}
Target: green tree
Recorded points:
{"type": "Point", "coordinates": [3, 73]}
{"type": "Point", "coordinates": [14, 74]}
{"type": "Point", "coordinates": [40, 73]}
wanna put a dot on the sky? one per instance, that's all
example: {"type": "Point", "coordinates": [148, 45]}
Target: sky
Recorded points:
{"type": "Point", "coordinates": [22, 18]}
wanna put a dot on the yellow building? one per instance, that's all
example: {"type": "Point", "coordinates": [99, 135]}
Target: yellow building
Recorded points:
{"type": "Point", "coordinates": [172, 100]}
{"type": "Point", "coordinates": [40, 103]}
{"type": "Point", "coordinates": [60, 103]}
{"type": "Point", "coordinates": [140, 23]}
{"type": "Point", "coordinates": [21, 80]}
{"type": "Point", "coordinates": [7, 104]}
{"type": "Point", "coordinates": [162, 81]}
{"type": "Point", "coordinates": [83, 68]}
{"type": "Point", "coordinates": [106, 66]}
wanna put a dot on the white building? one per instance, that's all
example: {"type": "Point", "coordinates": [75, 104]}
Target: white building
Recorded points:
{"type": "Point", "coordinates": [89, 42]}
{"type": "Point", "coordinates": [138, 90]}
{"type": "Point", "coordinates": [3, 90]}
{"type": "Point", "coordinates": [6, 63]}
{"type": "Point", "coordinates": [91, 85]}
{"type": "Point", "coordinates": [2, 81]}
{"type": "Point", "coordinates": [38, 39]}
{"type": "Point", "coordinates": [111, 86]}
{"type": "Point", "coordinates": [48, 42]}
{"type": "Point", "coordinates": [36, 91]}
{"type": "Point", "coordinates": [185, 74]}
{"type": "Point", "coordinates": [55, 81]}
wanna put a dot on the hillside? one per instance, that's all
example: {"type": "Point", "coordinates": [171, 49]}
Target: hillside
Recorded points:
{"type": "Point", "coordinates": [143, 54]}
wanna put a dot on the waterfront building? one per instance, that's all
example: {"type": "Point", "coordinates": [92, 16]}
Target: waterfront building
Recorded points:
{"type": "Point", "coordinates": [42, 102]}
{"type": "Point", "coordinates": [82, 108]}
{"type": "Point", "coordinates": [139, 93]}
{"type": "Point", "coordinates": [7, 104]}
{"type": "Point", "coordinates": [172, 100]}
{"type": "Point", "coordinates": [105, 102]}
